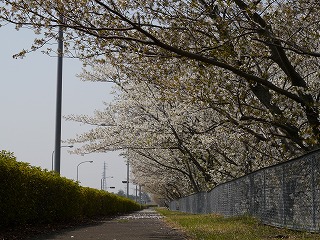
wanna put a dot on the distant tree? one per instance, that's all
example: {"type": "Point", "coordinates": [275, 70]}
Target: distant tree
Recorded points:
{"type": "Point", "coordinates": [145, 198]}
{"type": "Point", "coordinates": [121, 193]}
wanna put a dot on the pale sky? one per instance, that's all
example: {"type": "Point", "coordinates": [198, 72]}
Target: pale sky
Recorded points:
{"type": "Point", "coordinates": [28, 103]}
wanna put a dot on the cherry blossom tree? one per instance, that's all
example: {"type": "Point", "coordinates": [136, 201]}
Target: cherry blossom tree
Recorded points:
{"type": "Point", "coordinates": [268, 49]}
{"type": "Point", "coordinates": [175, 145]}
{"type": "Point", "coordinates": [210, 90]}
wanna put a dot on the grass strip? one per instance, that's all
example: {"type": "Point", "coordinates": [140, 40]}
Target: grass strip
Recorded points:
{"type": "Point", "coordinates": [210, 226]}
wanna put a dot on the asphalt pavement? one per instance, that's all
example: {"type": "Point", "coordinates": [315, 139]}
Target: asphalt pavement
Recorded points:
{"type": "Point", "coordinates": [142, 225]}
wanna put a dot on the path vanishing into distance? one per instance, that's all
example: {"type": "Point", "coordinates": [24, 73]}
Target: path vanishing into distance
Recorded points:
{"type": "Point", "coordinates": [141, 225]}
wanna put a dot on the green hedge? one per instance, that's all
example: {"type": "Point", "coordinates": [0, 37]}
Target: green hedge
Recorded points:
{"type": "Point", "coordinates": [32, 195]}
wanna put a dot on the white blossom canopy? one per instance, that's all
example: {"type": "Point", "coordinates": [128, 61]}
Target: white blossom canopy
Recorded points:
{"type": "Point", "coordinates": [205, 85]}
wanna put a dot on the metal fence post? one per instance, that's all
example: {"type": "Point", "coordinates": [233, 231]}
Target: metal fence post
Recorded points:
{"type": "Point", "coordinates": [264, 195]}
{"type": "Point", "coordinates": [313, 185]}
{"type": "Point", "coordinates": [283, 196]}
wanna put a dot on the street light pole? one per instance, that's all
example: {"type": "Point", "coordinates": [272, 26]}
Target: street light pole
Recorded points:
{"type": "Point", "coordinates": [58, 100]}
{"type": "Point", "coordinates": [69, 146]}
{"type": "Point", "coordinates": [128, 171]}
{"type": "Point", "coordinates": [78, 168]}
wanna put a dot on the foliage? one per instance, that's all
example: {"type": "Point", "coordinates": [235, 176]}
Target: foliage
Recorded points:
{"type": "Point", "coordinates": [207, 227]}
{"type": "Point", "coordinates": [32, 195]}
{"type": "Point", "coordinates": [209, 89]}
{"type": "Point", "coordinates": [105, 203]}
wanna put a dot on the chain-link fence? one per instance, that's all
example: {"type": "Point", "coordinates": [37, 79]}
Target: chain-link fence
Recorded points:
{"type": "Point", "coordinates": [285, 195]}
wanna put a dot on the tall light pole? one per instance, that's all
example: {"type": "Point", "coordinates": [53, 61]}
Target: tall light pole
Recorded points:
{"type": "Point", "coordinates": [78, 168]}
{"type": "Point", "coordinates": [58, 100]}
{"type": "Point", "coordinates": [69, 146]}
{"type": "Point", "coordinates": [128, 171]}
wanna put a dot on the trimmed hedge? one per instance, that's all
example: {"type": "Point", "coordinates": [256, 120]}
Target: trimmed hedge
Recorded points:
{"type": "Point", "coordinates": [31, 195]}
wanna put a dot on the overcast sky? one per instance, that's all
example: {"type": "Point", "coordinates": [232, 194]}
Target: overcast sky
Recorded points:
{"type": "Point", "coordinates": [27, 104]}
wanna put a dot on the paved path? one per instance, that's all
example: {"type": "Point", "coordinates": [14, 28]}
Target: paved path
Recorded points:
{"type": "Point", "coordinates": [142, 225]}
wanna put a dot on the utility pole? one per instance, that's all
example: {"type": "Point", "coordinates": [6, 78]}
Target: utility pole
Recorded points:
{"type": "Point", "coordinates": [136, 193]}
{"type": "Point", "coordinates": [128, 170]}
{"type": "Point", "coordinates": [104, 176]}
{"type": "Point", "coordinates": [57, 148]}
